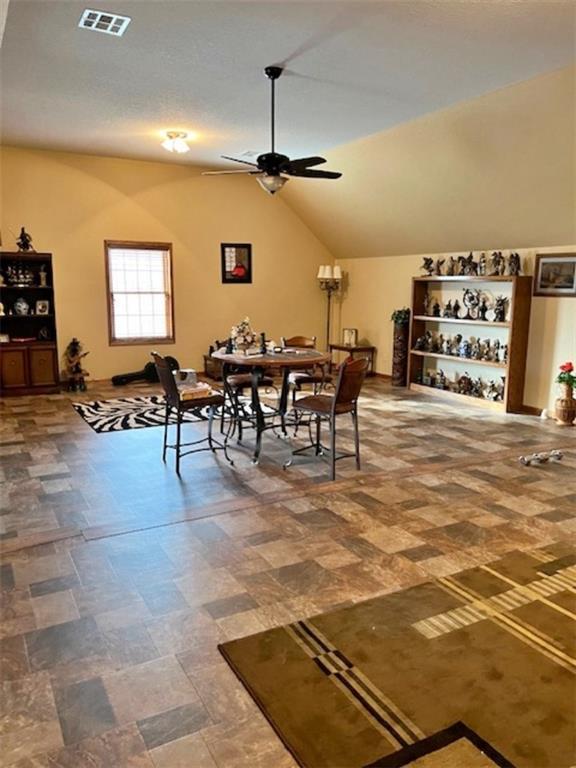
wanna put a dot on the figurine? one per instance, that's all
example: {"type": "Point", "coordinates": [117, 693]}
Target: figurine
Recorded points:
{"type": "Point", "coordinates": [496, 264]}
{"type": "Point", "coordinates": [437, 342]}
{"type": "Point", "coordinates": [471, 301]}
{"type": "Point", "coordinates": [438, 267]}
{"type": "Point", "coordinates": [423, 343]}
{"type": "Point", "coordinates": [263, 348]}
{"type": "Point", "coordinates": [483, 309]}
{"type": "Point", "coordinates": [76, 373]}
{"type": "Point", "coordinates": [487, 350]}
{"type": "Point", "coordinates": [505, 353]}
{"type": "Point", "coordinates": [229, 346]}
{"type": "Point", "coordinates": [446, 348]}
{"type": "Point", "coordinates": [465, 384]}
{"type": "Point", "coordinates": [476, 352]}
{"type": "Point", "coordinates": [447, 312]}
{"type": "Point", "coordinates": [477, 389]}
{"type": "Point", "coordinates": [427, 303]}
{"type": "Point", "coordinates": [456, 310]}
{"type": "Point", "coordinates": [428, 266]}
{"type": "Point", "coordinates": [496, 351]}
{"type": "Point", "coordinates": [467, 265]}
{"type": "Point", "coordinates": [455, 344]}
{"type": "Point", "coordinates": [436, 309]}
{"type": "Point", "coordinates": [451, 266]}
{"type": "Point", "coordinates": [500, 309]}
{"type": "Point", "coordinates": [44, 334]}
{"type": "Point", "coordinates": [441, 381]}
{"type": "Point", "coordinates": [514, 267]}
{"type": "Point", "coordinates": [24, 242]}
{"type": "Point", "coordinates": [482, 264]}
{"type": "Point", "coordinates": [492, 392]}
{"type": "Point", "coordinates": [2, 313]}
{"type": "Point", "coordinates": [43, 276]}
{"type": "Point", "coordinates": [465, 349]}
{"type": "Point", "coordinates": [19, 276]}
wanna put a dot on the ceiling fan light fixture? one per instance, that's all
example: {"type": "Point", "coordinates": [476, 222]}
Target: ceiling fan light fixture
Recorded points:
{"type": "Point", "coordinates": [271, 184]}
{"type": "Point", "coordinates": [176, 142]}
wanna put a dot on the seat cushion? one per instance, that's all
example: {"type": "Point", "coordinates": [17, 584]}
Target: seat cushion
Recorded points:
{"type": "Point", "coordinates": [244, 380]}
{"type": "Point", "coordinates": [309, 377]}
{"type": "Point", "coordinates": [201, 402]}
{"type": "Point", "coordinates": [321, 404]}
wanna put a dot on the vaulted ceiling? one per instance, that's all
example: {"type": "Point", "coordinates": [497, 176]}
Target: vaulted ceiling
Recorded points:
{"type": "Point", "coordinates": [353, 69]}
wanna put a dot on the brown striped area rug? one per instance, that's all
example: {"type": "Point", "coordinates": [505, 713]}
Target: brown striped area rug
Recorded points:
{"type": "Point", "coordinates": [473, 670]}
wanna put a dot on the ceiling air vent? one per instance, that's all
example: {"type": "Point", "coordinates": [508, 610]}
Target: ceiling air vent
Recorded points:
{"type": "Point", "coordinates": [101, 21]}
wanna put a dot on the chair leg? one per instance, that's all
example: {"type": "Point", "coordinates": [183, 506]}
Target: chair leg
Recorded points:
{"type": "Point", "coordinates": [333, 447]}
{"type": "Point", "coordinates": [210, 424]}
{"type": "Point", "coordinates": [318, 434]}
{"type": "Point", "coordinates": [178, 427]}
{"type": "Point", "coordinates": [166, 419]}
{"type": "Point", "coordinates": [356, 437]}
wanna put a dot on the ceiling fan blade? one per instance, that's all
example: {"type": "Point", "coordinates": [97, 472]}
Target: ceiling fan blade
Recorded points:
{"type": "Point", "coordinates": [304, 172]}
{"type": "Point", "coordinates": [225, 173]}
{"type": "Point", "coordinates": [236, 160]}
{"type": "Point", "coordinates": [306, 162]}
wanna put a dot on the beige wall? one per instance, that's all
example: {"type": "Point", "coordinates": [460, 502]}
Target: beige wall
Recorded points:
{"type": "Point", "coordinates": [376, 287]}
{"type": "Point", "coordinates": [499, 169]}
{"type": "Point", "coordinates": [72, 203]}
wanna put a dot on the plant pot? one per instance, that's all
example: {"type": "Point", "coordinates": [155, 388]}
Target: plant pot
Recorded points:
{"type": "Point", "coordinates": [400, 355]}
{"type": "Point", "coordinates": [565, 407]}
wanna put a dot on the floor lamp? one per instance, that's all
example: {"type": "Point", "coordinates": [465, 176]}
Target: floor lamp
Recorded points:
{"type": "Point", "coordinates": [330, 280]}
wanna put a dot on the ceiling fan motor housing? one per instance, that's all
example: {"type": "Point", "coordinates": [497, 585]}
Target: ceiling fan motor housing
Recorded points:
{"type": "Point", "coordinates": [272, 163]}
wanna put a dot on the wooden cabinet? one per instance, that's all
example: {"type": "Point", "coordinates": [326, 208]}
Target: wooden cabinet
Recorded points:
{"type": "Point", "coordinates": [29, 360]}
{"type": "Point", "coordinates": [14, 368]}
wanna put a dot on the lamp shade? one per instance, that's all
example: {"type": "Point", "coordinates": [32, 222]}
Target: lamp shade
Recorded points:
{"type": "Point", "coordinates": [271, 183]}
{"type": "Point", "coordinates": [337, 272]}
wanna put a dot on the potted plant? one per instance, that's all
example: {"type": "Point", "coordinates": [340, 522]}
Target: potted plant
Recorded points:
{"type": "Point", "coordinates": [401, 320]}
{"type": "Point", "coordinates": [565, 404]}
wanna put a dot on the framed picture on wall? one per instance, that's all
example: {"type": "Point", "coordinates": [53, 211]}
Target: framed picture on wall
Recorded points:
{"type": "Point", "coordinates": [236, 262]}
{"type": "Point", "coordinates": [555, 274]}
{"type": "Point", "coordinates": [42, 307]}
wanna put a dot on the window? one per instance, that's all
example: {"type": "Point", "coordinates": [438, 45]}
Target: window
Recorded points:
{"type": "Point", "coordinates": [140, 308]}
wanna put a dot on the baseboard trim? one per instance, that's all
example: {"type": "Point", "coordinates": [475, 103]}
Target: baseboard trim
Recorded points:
{"type": "Point", "coordinates": [531, 410]}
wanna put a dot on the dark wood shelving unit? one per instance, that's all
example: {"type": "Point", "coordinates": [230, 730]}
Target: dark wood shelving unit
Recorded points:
{"type": "Point", "coordinates": [29, 365]}
{"type": "Point", "coordinates": [515, 327]}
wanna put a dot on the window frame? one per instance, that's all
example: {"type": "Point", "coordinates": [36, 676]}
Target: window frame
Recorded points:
{"type": "Point", "coordinates": [137, 245]}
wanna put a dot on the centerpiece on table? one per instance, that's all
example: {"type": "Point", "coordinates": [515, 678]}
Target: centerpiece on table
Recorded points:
{"type": "Point", "coordinates": [565, 404]}
{"type": "Point", "coordinates": [242, 335]}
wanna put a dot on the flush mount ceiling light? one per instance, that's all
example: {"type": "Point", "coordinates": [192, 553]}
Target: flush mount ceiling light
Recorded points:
{"type": "Point", "coordinates": [271, 183]}
{"type": "Point", "coordinates": [176, 142]}
{"type": "Point", "coordinates": [101, 21]}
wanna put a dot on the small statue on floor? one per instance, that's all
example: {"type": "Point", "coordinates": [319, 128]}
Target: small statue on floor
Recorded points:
{"type": "Point", "coordinates": [74, 370]}
{"type": "Point", "coordinates": [428, 266]}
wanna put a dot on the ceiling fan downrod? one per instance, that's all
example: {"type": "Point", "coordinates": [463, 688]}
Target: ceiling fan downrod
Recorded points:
{"type": "Point", "coordinates": [273, 73]}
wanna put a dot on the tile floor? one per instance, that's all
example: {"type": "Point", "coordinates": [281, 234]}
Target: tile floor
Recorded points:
{"type": "Point", "coordinates": [119, 580]}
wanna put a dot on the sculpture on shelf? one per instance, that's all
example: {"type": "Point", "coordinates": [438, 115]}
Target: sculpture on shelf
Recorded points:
{"type": "Point", "coordinates": [476, 352]}
{"type": "Point", "coordinates": [471, 300]}
{"type": "Point", "coordinates": [468, 266]}
{"type": "Point", "coordinates": [483, 309]}
{"type": "Point", "coordinates": [482, 267]}
{"type": "Point", "coordinates": [428, 266]}
{"type": "Point", "coordinates": [43, 276]}
{"type": "Point", "coordinates": [446, 348]}
{"type": "Point", "coordinates": [505, 353]}
{"type": "Point", "coordinates": [74, 370]}
{"type": "Point", "coordinates": [500, 306]}
{"type": "Point", "coordinates": [477, 389]}
{"type": "Point", "coordinates": [438, 267]}
{"type": "Point", "coordinates": [496, 264]}
{"type": "Point", "coordinates": [423, 343]}
{"type": "Point", "coordinates": [465, 384]}
{"type": "Point", "coordinates": [496, 351]}
{"type": "Point", "coordinates": [451, 266]}
{"type": "Point", "coordinates": [486, 350]}
{"type": "Point", "coordinates": [447, 311]}
{"type": "Point", "coordinates": [455, 344]}
{"type": "Point", "coordinates": [21, 306]}
{"type": "Point", "coordinates": [24, 242]}
{"type": "Point", "coordinates": [427, 303]}
{"type": "Point", "coordinates": [441, 380]}
{"type": "Point", "coordinates": [456, 310]}
{"type": "Point", "coordinates": [514, 266]}
{"type": "Point", "coordinates": [437, 342]}
{"type": "Point", "coordinates": [465, 349]}
{"type": "Point", "coordinates": [492, 393]}
{"type": "Point", "coordinates": [436, 309]}
{"type": "Point", "coordinates": [19, 276]}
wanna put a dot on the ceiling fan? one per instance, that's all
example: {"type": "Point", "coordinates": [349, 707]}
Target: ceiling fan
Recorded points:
{"type": "Point", "coordinates": [272, 170]}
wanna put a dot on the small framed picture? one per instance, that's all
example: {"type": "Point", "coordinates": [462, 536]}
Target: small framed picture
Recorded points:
{"type": "Point", "coordinates": [236, 262]}
{"type": "Point", "coordinates": [42, 307]}
{"type": "Point", "coordinates": [555, 274]}
{"type": "Point", "coordinates": [350, 336]}
{"type": "Point", "coordinates": [4, 338]}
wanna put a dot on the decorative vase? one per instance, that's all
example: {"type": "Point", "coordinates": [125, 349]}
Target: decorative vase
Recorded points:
{"type": "Point", "coordinates": [400, 355]}
{"type": "Point", "coordinates": [565, 407]}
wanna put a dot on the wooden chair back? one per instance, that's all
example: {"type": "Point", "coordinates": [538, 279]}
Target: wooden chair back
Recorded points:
{"type": "Point", "coordinates": [351, 375]}
{"type": "Point", "coordinates": [303, 342]}
{"type": "Point", "coordinates": [167, 380]}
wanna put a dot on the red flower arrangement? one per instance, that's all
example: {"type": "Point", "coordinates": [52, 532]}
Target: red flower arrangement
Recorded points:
{"type": "Point", "coordinates": [566, 375]}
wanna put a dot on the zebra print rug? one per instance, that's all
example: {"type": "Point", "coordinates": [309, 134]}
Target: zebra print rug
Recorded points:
{"type": "Point", "coordinates": [137, 413]}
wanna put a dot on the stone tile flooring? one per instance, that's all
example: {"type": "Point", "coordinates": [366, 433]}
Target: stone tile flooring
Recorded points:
{"type": "Point", "coordinates": [119, 580]}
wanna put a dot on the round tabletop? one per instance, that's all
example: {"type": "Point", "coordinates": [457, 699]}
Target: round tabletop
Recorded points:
{"type": "Point", "coordinates": [288, 358]}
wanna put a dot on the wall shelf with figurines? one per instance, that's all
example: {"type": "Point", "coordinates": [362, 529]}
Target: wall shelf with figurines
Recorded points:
{"type": "Point", "coordinates": [490, 299]}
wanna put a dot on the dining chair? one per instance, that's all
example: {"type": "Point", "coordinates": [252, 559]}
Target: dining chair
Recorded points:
{"type": "Point", "coordinates": [177, 404]}
{"type": "Point", "coordinates": [318, 376]}
{"type": "Point", "coordinates": [351, 375]}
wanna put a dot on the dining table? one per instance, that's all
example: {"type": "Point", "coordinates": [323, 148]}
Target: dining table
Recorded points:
{"type": "Point", "coordinates": [279, 363]}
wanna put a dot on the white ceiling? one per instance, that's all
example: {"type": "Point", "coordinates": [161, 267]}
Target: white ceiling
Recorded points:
{"type": "Point", "coordinates": [353, 68]}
